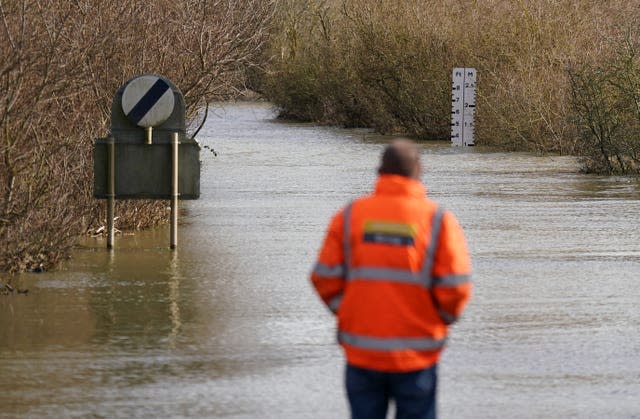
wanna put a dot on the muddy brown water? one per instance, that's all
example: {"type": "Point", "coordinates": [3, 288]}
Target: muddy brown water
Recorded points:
{"type": "Point", "coordinates": [228, 326]}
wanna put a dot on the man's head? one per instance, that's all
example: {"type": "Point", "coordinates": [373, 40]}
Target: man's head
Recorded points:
{"type": "Point", "coordinates": [401, 157]}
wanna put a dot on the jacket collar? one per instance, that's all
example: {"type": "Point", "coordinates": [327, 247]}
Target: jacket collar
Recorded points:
{"type": "Point", "coordinates": [399, 185]}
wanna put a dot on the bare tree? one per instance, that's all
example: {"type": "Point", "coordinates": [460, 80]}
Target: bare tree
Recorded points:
{"type": "Point", "coordinates": [62, 63]}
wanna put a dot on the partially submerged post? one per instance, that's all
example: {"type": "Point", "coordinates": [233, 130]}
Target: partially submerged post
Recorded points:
{"type": "Point", "coordinates": [173, 241]}
{"type": "Point", "coordinates": [146, 147]}
{"type": "Point", "coordinates": [111, 200]}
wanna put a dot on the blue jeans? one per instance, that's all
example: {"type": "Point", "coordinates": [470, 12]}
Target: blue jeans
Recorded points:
{"type": "Point", "coordinates": [414, 393]}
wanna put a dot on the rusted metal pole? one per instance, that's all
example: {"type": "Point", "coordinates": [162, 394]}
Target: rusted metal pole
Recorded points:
{"type": "Point", "coordinates": [111, 151]}
{"type": "Point", "coordinates": [174, 192]}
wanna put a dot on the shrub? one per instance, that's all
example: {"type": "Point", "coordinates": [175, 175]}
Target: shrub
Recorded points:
{"type": "Point", "coordinates": [606, 108]}
{"type": "Point", "coordinates": [387, 64]}
{"type": "Point", "coordinates": [62, 63]}
{"type": "Point", "coordinates": [345, 64]}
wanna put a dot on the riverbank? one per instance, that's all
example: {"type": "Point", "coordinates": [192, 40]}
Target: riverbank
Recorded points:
{"type": "Point", "coordinates": [552, 77]}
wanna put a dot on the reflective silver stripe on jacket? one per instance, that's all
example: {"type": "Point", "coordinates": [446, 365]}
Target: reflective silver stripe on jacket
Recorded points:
{"type": "Point", "coordinates": [390, 344]}
{"type": "Point", "coordinates": [334, 303]}
{"type": "Point", "coordinates": [430, 253]}
{"type": "Point", "coordinates": [451, 280]}
{"type": "Point", "coordinates": [346, 241]}
{"type": "Point", "coordinates": [328, 271]}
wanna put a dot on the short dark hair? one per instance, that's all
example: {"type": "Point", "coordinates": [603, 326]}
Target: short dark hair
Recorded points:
{"type": "Point", "coordinates": [400, 157]}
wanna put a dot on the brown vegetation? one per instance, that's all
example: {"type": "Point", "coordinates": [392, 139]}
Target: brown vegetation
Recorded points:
{"type": "Point", "coordinates": [606, 104]}
{"type": "Point", "coordinates": [387, 65]}
{"type": "Point", "coordinates": [62, 62]}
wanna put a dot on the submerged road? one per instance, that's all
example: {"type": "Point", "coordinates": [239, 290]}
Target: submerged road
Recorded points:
{"type": "Point", "coordinates": [228, 326]}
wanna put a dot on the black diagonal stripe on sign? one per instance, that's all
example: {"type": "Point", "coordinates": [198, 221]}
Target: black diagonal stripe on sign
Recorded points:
{"type": "Point", "coordinates": [149, 99]}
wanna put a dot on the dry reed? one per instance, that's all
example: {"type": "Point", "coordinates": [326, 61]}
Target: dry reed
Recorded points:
{"type": "Point", "coordinates": [387, 65]}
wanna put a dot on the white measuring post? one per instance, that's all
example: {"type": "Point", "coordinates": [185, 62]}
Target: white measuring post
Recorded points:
{"type": "Point", "coordinates": [463, 106]}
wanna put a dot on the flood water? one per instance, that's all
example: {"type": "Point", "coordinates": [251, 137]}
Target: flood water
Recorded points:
{"type": "Point", "coordinates": [228, 325]}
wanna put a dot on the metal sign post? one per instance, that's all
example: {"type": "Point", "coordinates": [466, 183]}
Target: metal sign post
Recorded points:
{"type": "Point", "coordinates": [111, 200]}
{"type": "Point", "coordinates": [174, 192]}
{"type": "Point", "coordinates": [463, 105]}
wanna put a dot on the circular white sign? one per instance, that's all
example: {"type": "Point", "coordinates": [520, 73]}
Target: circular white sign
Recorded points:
{"type": "Point", "coordinates": [148, 101]}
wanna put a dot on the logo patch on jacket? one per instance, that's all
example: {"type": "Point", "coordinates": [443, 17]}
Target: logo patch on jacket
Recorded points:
{"type": "Point", "coordinates": [385, 232]}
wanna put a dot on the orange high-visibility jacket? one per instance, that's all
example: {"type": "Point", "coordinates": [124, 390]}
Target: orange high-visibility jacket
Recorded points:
{"type": "Point", "coordinates": [395, 270]}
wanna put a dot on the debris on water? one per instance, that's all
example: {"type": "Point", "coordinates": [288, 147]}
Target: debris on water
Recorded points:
{"type": "Point", "coordinates": [211, 149]}
{"type": "Point", "coordinates": [102, 229]}
{"type": "Point", "coordinates": [6, 289]}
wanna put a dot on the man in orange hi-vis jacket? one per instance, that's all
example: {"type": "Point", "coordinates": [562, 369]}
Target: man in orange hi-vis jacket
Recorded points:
{"type": "Point", "coordinates": [395, 270]}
